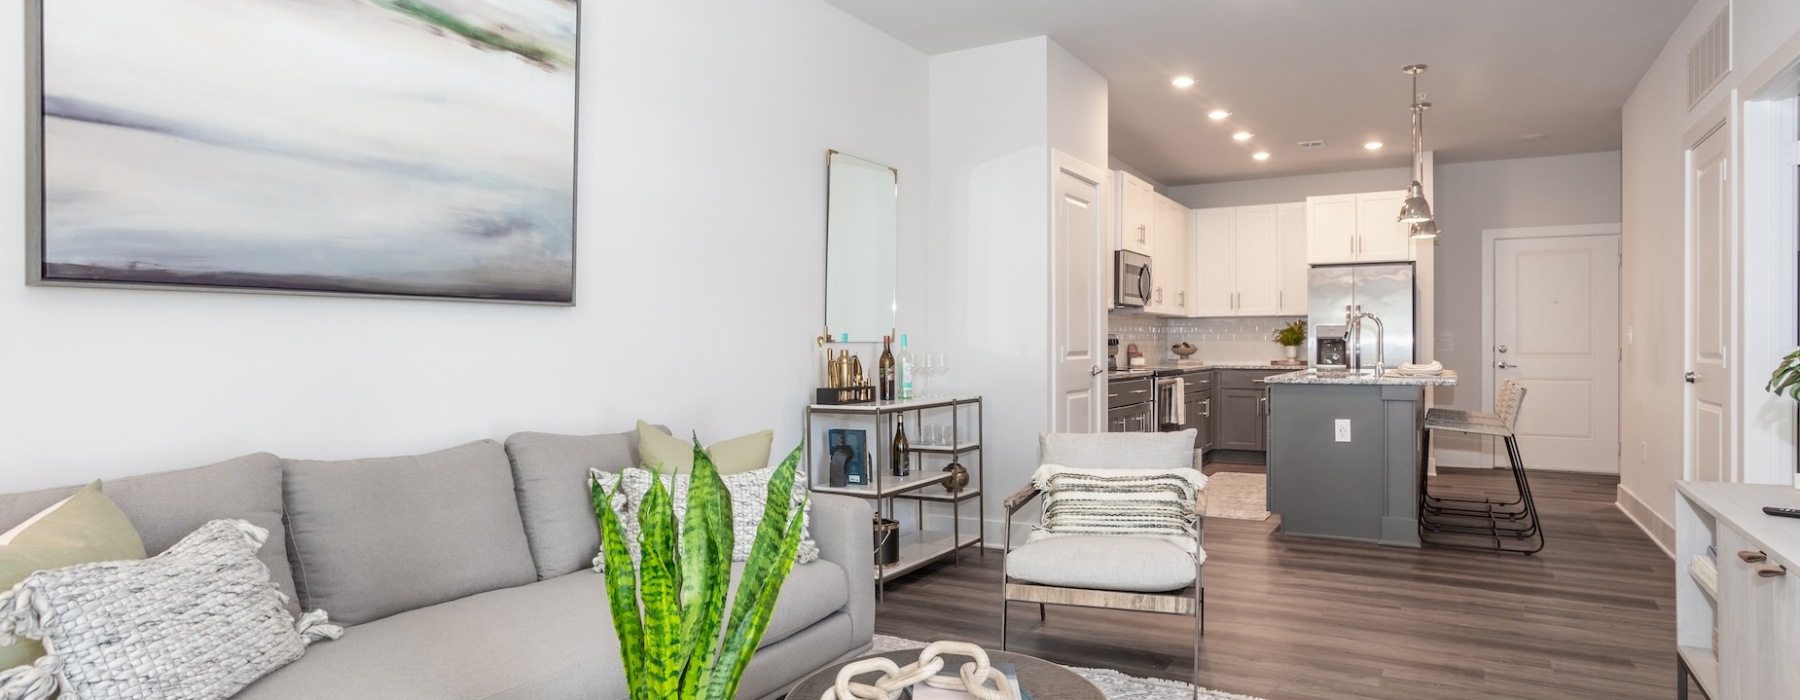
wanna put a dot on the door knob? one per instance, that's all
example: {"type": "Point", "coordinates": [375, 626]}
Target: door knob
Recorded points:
{"type": "Point", "coordinates": [1506, 365]}
{"type": "Point", "coordinates": [1690, 377]}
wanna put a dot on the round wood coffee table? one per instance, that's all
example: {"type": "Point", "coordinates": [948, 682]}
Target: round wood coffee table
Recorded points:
{"type": "Point", "coordinates": [1042, 679]}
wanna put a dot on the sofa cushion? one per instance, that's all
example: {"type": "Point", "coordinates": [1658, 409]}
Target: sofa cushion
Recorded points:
{"type": "Point", "coordinates": [375, 537]}
{"type": "Point", "coordinates": [663, 453]}
{"type": "Point", "coordinates": [550, 639]}
{"type": "Point", "coordinates": [1108, 450]}
{"type": "Point", "coordinates": [166, 506]}
{"type": "Point", "coordinates": [1142, 564]}
{"type": "Point", "coordinates": [550, 473]}
{"type": "Point", "coordinates": [85, 527]}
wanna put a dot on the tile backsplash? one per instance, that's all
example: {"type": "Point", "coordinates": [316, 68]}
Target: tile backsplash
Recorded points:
{"type": "Point", "coordinates": [1244, 338]}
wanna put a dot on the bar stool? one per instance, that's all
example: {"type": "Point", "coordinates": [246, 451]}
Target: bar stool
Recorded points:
{"type": "Point", "coordinates": [1512, 525]}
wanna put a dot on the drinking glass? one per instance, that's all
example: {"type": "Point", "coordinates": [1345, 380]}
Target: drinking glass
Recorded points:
{"type": "Point", "coordinates": [927, 368]}
{"type": "Point", "coordinates": [939, 366]}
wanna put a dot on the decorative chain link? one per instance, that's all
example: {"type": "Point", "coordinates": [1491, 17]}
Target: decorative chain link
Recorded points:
{"type": "Point", "coordinates": [896, 678]}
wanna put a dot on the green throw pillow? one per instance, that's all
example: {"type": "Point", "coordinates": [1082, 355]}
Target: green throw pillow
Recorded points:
{"type": "Point", "coordinates": [82, 528]}
{"type": "Point", "coordinates": [666, 454]}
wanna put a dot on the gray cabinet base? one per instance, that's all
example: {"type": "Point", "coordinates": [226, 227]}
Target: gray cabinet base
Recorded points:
{"type": "Point", "coordinates": [1365, 489]}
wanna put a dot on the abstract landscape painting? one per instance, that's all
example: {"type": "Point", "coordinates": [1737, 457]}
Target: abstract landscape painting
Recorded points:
{"type": "Point", "coordinates": [392, 147]}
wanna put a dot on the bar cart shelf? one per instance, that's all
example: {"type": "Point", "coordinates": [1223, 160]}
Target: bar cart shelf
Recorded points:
{"type": "Point", "coordinates": [961, 418]}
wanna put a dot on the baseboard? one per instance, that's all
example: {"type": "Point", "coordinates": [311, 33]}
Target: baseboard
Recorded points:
{"type": "Point", "coordinates": [992, 531]}
{"type": "Point", "coordinates": [1641, 514]}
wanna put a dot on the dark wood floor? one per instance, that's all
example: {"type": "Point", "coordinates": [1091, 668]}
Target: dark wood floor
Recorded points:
{"type": "Point", "coordinates": [1591, 617]}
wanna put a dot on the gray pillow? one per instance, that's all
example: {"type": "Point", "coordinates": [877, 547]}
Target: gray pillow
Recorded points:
{"type": "Point", "coordinates": [550, 472]}
{"type": "Point", "coordinates": [167, 506]}
{"type": "Point", "coordinates": [375, 537]}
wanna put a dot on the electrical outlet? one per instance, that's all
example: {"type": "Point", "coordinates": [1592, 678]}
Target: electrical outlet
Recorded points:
{"type": "Point", "coordinates": [1342, 426]}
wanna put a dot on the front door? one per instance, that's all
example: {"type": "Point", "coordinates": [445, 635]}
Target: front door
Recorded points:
{"type": "Point", "coordinates": [1077, 318]}
{"type": "Point", "coordinates": [1709, 392]}
{"type": "Point", "coordinates": [1556, 318]}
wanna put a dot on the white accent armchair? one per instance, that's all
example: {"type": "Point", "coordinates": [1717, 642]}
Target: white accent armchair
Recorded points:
{"type": "Point", "coordinates": [1145, 574]}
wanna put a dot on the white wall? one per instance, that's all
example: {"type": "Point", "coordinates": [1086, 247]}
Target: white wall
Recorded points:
{"type": "Point", "coordinates": [1657, 121]}
{"type": "Point", "coordinates": [1276, 190]}
{"type": "Point", "coordinates": [704, 128]}
{"type": "Point", "coordinates": [1472, 197]}
{"type": "Point", "coordinates": [996, 113]}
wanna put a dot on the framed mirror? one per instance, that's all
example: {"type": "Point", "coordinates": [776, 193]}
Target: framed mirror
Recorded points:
{"type": "Point", "coordinates": [862, 226]}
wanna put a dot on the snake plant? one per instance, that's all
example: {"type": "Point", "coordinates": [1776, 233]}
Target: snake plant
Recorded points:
{"type": "Point", "coordinates": [1786, 377]}
{"type": "Point", "coordinates": [669, 609]}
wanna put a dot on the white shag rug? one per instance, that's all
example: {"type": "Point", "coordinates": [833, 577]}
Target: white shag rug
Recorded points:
{"type": "Point", "coordinates": [1116, 685]}
{"type": "Point", "coordinates": [1237, 496]}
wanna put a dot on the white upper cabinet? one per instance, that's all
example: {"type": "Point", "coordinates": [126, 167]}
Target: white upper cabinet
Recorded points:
{"type": "Point", "coordinates": [1214, 264]}
{"type": "Point", "coordinates": [1170, 271]}
{"type": "Point", "coordinates": [1381, 236]}
{"type": "Point", "coordinates": [1137, 214]}
{"type": "Point", "coordinates": [1351, 228]}
{"type": "Point", "coordinates": [1249, 261]}
{"type": "Point", "coordinates": [1292, 224]}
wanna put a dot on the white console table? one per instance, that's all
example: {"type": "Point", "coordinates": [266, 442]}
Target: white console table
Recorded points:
{"type": "Point", "coordinates": [1737, 591]}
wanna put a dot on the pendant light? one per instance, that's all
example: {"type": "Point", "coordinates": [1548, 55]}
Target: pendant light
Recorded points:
{"type": "Point", "coordinates": [1416, 211]}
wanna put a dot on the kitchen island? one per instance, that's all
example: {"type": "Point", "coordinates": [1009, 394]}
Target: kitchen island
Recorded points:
{"type": "Point", "coordinates": [1343, 454]}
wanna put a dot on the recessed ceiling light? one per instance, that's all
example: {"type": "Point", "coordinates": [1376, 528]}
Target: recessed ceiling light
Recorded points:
{"type": "Point", "coordinates": [1532, 137]}
{"type": "Point", "coordinates": [1183, 81]}
{"type": "Point", "coordinates": [1217, 114]}
{"type": "Point", "coordinates": [1242, 136]}
{"type": "Point", "coordinates": [1373, 145]}
{"type": "Point", "coordinates": [1261, 155]}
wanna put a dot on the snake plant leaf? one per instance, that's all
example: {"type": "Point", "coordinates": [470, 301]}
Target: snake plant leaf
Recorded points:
{"type": "Point", "coordinates": [659, 586]}
{"type": "Point", "coordinates": [705, 570]}
{"type": "Point", "coordinates": [771, 558]}
{"type": "Point", "coordinates": [621, 586]}
{"type": "Point", "coordinates": [756, 598]}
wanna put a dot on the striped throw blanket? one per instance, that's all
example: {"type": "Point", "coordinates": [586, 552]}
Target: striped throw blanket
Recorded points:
{"type": "Point", "coordinates": [1128, 502]}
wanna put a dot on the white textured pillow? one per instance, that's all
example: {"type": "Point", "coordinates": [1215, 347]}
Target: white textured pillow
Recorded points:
{"type": "Point", "coordinates": [1128, 502]}
{"type": "Point", "coordinates": [199, 621]}
{"type": "Point", "coordinates": [749, 494]}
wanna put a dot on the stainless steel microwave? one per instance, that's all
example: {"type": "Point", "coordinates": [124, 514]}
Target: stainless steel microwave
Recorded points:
{"type": "Point", "coordinates": [1132, 275]}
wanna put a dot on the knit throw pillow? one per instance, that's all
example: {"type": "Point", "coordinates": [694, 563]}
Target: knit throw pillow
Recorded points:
{"type": "Point", "coordinates": [1125, 502]}
{"type": "Point", "coordinates": [749, 495]}
{"type": "Point", "coordinates": [199, 621]}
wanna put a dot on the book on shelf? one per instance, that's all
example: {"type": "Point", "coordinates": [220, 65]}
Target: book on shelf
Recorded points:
{"type": "Point", "coordinates": [1705, 571]}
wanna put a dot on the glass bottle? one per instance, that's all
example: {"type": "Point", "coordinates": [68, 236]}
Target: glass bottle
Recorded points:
{"type": "Point", "coordinates": [900, 462]}
{"type": "Point", "coordinates": [906, 371]}
{"type": "Point", "coordinates": [886, 380]}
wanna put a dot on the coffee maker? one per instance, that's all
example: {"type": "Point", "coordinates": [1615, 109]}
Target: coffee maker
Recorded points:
{"type": "Point", "coordinates": [1332, 351]}
{"type": "Point", "coordinates": [1112, 353]}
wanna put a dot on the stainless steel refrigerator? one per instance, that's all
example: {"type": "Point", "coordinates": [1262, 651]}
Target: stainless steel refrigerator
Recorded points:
{"type": "Point", "coordinates": [1383, 289]}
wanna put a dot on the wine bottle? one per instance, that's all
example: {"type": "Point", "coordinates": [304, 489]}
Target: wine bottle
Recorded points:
{"type": "Point", "coordinates": [900, 462]}
{"type": "Point", "coordinates": [906, 370]}
{"type": "Point", "coordinates": [886, 382]}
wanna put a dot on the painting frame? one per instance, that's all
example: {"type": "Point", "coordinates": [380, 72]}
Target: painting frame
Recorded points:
{"type": "Point", "coordinates": [854, 469]}
{"type": "Point", "coordinates": [554, 288]}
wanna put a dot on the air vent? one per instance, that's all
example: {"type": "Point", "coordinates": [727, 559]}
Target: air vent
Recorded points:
{"type": "Point", "coordinates": [1311, 145]}
{"type": "Point", "coordinates": [1709, 59]}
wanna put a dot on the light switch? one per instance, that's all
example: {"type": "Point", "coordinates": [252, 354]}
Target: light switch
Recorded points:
{"type": "Point", "coordinates": [1342, 426]}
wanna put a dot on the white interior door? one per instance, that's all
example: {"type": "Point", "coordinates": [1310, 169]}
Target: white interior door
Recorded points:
{"type": "Point", "coordinates": [1709, 390]}
{"type": "Point", "coordinates": [1556, 320]}
{"type": "Point", "coordinates": [1077, 320]}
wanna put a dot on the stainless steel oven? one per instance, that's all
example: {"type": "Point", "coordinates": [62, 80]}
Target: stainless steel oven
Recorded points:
{"type": "Point", "coordinates": [1128, 405]}
{"type": "Point", "coordinates": [1132, 275]}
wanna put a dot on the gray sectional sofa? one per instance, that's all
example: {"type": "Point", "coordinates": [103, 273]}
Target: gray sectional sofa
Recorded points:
{"type": "Point", "coordinates": [464, 573]}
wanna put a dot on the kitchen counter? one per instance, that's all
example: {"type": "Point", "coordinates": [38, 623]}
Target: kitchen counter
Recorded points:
{"type": "Point", "coordinates": [1165, 369]}
{"type": "Point", "coordinates": [1365, 378]}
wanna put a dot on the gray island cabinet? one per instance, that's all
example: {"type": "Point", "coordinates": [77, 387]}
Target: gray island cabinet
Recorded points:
{"type": "Point", "coordinates": [1343, 453]}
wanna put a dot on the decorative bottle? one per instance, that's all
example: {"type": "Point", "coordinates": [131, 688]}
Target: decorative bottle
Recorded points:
{"type": "Point", "coordinates": [901, 459]}
{"type": "Point", "coordinates": [886, 382]}
{"type": "Point", "coordinates": [906, 370]}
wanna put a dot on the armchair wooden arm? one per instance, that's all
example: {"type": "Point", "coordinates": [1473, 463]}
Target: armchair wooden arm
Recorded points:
{"type": "Point", "coordinates": [1021, 497]}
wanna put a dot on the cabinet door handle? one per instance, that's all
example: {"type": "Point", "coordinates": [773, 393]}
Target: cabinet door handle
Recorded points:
{"type": "Point", "coordinates": [1770, 570]}
{"type": "Point", "coordinates": [1265, 404]}
{"type": "Point", "coordinates": [1206, 408]}
{"type": "Point", "coordinates": [1751, 556]}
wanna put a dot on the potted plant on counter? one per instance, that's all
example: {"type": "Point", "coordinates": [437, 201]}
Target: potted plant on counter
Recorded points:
{"type": "Point", "coordinates": [1291, 337]}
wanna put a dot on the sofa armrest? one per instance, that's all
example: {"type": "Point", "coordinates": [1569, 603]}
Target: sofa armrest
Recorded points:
{"type": "Point", "coordinates": [843, 527]}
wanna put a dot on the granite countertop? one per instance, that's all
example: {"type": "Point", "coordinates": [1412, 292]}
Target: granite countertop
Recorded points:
{"type": "Point", "coordinates": [1364, 378]}
{"type": "Point", "coordinates": [1165, 369]}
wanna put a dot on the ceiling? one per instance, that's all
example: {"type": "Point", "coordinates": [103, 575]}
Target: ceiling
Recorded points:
{"type": "Point", "coordinates": [1301, 70]}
